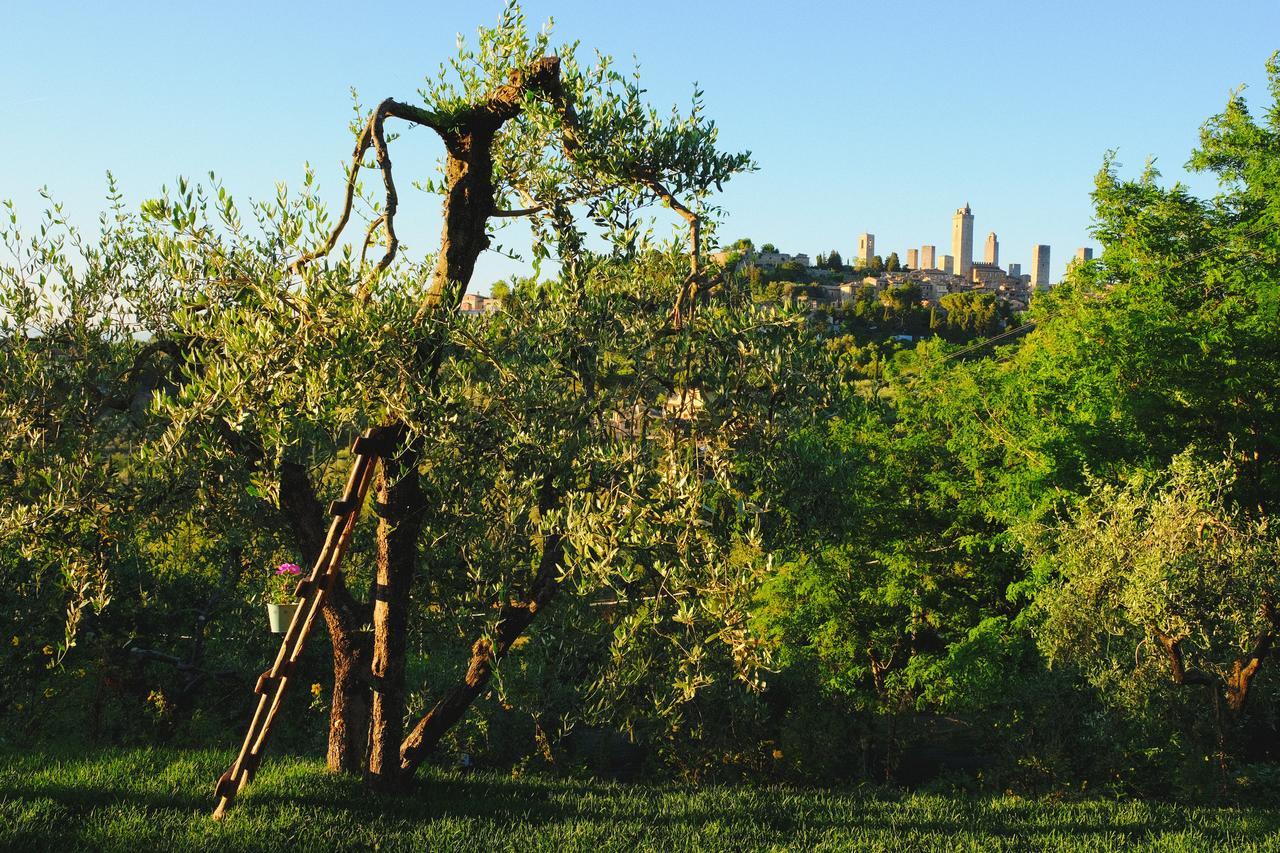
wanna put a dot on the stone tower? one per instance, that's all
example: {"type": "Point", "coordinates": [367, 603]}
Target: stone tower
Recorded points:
{"type": "Point", "coordinates": [913, 258]}
{"type": "Point", "coordinates": [962, 241]}
{"type": "Point", "coordinates": [866, 249]}
{"type": "Point", "coordinates": [1040, 267]}
{"type": "Point", "coordinates": [1084, 254]}
{"type": "Point", "coordinates": [928, 257]}
{"type": "Point", "coordinates": [992, 253]}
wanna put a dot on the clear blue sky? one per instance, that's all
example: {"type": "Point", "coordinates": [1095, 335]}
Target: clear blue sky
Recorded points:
{"type": "Point", "coordinates": [880, 117]}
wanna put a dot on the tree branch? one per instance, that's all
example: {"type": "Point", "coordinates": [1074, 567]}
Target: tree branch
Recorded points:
{"type": "Point", "coordinates": [368, 239]}
{"type": "Point", "coordinates": [372, 136]}
{"type": "Point", "coordinates": [392, 201]}
{"type": "Point", "coordinates": [571, 144]}
{"type": "Point", "coordinates": [525, 211]}
{"type": "Point", "coordinates": [513, 619]}
{"type": "Point", "coordinates": [1177, 665]}
{"type": "Point", "coordinates": [1243, 670]}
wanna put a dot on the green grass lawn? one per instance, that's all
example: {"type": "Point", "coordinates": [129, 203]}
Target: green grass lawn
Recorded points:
{"type": "Point", "coordinates": [158, 799]}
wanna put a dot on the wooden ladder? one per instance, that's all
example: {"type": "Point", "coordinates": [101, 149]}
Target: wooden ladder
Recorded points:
{"type": "Point", "coordinates": [311, 592]}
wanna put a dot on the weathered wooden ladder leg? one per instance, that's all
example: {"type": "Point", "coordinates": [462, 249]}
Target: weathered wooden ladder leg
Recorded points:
{"type": "Point", "coordinates": [311, 592]}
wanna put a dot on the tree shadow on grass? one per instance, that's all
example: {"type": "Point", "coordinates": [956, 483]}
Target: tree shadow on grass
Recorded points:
{"type": "Point", "coordinates": [535, 803]}
{"type": "Point", "coordinates": [173, 796]}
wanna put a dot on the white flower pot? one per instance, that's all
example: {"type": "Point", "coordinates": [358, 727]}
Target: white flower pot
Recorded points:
{"type": "Point", "coordinates": [280, 615]}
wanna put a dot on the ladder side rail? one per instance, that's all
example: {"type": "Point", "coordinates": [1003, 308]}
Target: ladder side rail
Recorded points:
{"type": "Point", "coordinates": [312, 591]}
{"type": "Point", "coordinates": [291, 636]}
{"type": "Point", "coordinates": [340, 550]}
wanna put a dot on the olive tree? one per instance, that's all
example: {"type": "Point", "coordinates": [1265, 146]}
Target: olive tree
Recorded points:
{"type": "Point", "coordinates": [293, 339]}
{"type": "Point", "coordinates": [1163, 578]}
{"type": "Point", "coordinates": [69, 359]}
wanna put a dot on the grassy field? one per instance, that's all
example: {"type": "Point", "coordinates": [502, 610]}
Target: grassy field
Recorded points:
{"type": "Point", "coordinates": [160, 800]}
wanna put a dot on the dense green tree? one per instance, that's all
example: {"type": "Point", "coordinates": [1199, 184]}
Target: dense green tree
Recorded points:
{"type": "Point", "coordinates": [1167, 573]}
{"type": "Point", "coordinates": [1168, 339]}
{"type": "Point", "coordinates": [970, 314]}
{"type": "Point", "coordinates": [66, 356]}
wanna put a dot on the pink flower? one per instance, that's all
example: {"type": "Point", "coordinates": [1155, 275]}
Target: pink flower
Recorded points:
{"type": "Point", "coordinates": [289, 569]}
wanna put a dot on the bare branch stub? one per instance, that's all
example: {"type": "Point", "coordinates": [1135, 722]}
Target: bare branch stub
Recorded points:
{"type": "Point", "coordinates": [524, 211]}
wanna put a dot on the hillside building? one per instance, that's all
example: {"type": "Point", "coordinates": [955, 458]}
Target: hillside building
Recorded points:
{"type": "Point", "coordinates": [990, 276]}
{"type": "Point", "coordinates": [478, 303]}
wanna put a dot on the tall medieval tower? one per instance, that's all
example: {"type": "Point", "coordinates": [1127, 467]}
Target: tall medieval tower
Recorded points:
{"type": "Point", "coordinates": [866, 249]}
{"type": "Point", "coordinates": [962, 241]}
{"type": "Point", "coordinates": [1040, 267]}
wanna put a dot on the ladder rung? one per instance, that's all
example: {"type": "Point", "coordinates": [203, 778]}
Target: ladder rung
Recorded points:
{"type": "Point", "coordinates": [341, 507]}
{"type": "Point", "coordinates": [267, 682]}
{"type": "Point", "coordinates": [225, 786]}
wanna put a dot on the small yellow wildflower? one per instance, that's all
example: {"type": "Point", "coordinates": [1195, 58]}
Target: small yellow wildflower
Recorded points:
{"type": "Point", "coordinates": [15, 640]}
{"type": "Point", "coordinates": [49, 692]}
{"type": "Point", "coordinates": [48, 650]}
{"type": "Point", "coordinates": [316, 689]}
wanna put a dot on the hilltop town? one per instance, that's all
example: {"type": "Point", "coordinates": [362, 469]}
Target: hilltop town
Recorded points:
{"type": "Point", "coordinates": [920, 282]}
{"type": "Point", "coordinates": [829, 282]}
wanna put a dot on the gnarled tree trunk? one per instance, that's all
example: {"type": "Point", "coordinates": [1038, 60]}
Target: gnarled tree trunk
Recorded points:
{"type": "Point", "coordinates": [468, 135]}
{"type": "Point", "coordinates": [468, 205]}
{"type": "Point", "coordinates": [344, 618]}
{"type": "Point", "coordinates": [400, 511]}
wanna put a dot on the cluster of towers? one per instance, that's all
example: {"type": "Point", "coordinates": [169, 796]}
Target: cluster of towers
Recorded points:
{"type": "Point", "coordinates": [960, 262]}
